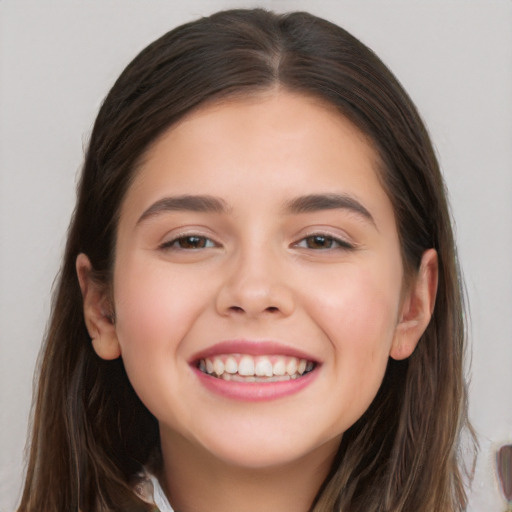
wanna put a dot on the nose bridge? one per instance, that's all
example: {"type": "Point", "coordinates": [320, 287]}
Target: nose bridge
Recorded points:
{"type": "Point", "coordinates": [256, 282]}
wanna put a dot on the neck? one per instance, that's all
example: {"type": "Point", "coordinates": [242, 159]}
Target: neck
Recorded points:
{"type": "Point", "coordinates": [196, 481]}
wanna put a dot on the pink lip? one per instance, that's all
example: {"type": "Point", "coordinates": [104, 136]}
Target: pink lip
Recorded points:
{"type": "Point", "coordinates": [252, 348]}
{"type": "Point", "coordinates": [253, 391]}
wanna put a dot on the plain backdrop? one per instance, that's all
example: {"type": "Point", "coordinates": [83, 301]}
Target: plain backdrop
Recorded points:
{"type": "Point", "coordinates": [57, 60]}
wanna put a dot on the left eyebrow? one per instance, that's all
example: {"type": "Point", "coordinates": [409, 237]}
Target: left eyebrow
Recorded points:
{"type": "Point", "coordinates": [318, 202]}
{"type": "Point", "coordinates": [191, 203]}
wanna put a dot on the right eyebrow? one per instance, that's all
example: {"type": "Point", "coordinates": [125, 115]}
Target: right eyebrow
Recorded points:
{"type": "Point", "coordinates": [191, 203]}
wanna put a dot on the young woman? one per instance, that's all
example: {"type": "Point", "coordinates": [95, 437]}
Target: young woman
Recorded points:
{"type": "Point", "coordinates": [259, 306]}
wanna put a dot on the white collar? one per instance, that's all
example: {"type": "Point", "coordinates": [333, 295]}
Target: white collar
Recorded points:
{"type": "Point", "coordinates": [159, 496]}
{"type": "Point", "coordinates": [150, 490]}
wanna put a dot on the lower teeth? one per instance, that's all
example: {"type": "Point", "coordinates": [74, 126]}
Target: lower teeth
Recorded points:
{"type": "Point", "coordinates": [253, 378]}
{"type": "Point", "coordinates": [239, 378]}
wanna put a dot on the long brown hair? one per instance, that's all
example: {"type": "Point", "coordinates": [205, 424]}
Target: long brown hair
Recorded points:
{"type": "Point", "coordinates": [92, 435]}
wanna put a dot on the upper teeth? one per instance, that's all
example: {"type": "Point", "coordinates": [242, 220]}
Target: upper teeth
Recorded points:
{"type": "Point", "coordinates": [235, 365]}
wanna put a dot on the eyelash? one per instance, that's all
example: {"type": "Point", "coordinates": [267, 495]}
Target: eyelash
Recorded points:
{"type": "Point", "coordinates": [174, 243]}
{"type": "Point", "coordinates": [334, 242]}
{"type": "Point", "coordinates": [206, 243]}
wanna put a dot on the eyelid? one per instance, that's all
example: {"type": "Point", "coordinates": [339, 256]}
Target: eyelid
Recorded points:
{"type": "Point", "coordinates": [171, 238]}
{"type": "Point", "coordinates": [342, 242]}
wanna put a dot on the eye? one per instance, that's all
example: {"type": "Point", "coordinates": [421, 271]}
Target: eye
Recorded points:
{"type": "Point", "coordinates": [323, 242]}
{"type": "Point", "coordinates": [189, 242]}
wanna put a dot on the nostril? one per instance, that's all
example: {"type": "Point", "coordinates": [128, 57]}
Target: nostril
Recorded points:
{"type": "Point", "coordinates": [238, 309]}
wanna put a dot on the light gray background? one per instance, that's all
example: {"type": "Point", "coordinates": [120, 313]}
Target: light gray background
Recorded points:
{"type": "Point", "coordinates": [57, 61]}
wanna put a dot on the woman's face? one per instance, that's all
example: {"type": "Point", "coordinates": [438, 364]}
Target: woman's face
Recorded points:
{"type": "Point", "coordinates": [258, 280]}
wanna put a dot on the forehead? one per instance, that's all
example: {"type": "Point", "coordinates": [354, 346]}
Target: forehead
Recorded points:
{"type": "Point", "coordinates": [275, 142]}
{"type": "Point", "coordinates": [276, 109]}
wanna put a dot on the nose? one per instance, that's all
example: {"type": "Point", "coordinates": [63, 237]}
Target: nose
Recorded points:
{"type": "Point", "coordinates": [256, 285]}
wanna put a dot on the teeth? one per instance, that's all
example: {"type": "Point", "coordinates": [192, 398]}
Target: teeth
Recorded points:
{"type": "Point", "coordinates": [291, 366]}
{"type": "Point", "coordinates": [247, 368]}
{"type": "Point", "coordinates": [263, 367]}
{"type": "Point", "coordinates": [218, 366]}
{"type": "Point", "coordinates": [279, 367]}
{"type": "Point", "coordinates": [231, 365]}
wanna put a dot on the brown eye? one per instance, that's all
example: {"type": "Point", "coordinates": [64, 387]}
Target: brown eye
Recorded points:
{"type": "Point", "coordinates": [189, 242]}
{"type": "Point", "coordinates": [323, 242]}
{"type": "Point", "coordinates": [192, 242]}
{"type": "Point", "coordinates": [319, 242]}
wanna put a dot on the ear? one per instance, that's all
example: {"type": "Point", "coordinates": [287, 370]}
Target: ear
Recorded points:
{"type": "Point", "coordinates": [417, 307]}
{"type": "Point", "coordinates": [97, 312]}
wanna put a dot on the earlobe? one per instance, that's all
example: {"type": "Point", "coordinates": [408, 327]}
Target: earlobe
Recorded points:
{"type": "Point", "coordinates": [97, 312]}
{"type": "Point", "coordinates": [417, 308]}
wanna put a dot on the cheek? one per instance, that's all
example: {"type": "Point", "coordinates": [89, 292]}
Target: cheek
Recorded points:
{"type": "Point", "coordinates": [153, 308]}
{"type": "Point", "coordinates": [362, 302]}
{"type": "Point", "coordinates": [359, 314]}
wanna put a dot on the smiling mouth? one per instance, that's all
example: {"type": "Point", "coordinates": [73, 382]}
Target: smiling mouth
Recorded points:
{"type": "Point", "coordinates": [247, 368]}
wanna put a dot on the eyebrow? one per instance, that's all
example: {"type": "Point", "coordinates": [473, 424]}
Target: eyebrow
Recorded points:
{"type": "Point", "coordinates": [191, 203]}
{"type": "Point", "coordinates": [318, 202]}
{"type": "Point", "coordinates": [298, 205]}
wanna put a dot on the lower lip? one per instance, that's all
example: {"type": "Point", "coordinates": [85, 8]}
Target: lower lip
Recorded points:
{"type": "Point", "coordinates": [255, 391]}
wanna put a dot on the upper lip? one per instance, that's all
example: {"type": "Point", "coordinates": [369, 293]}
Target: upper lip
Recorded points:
{"type": "Point", "coordinates": [252, 348]}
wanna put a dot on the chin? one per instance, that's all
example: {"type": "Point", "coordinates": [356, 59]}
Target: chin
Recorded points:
{"type": "Point", "coordinates": [264, 450]}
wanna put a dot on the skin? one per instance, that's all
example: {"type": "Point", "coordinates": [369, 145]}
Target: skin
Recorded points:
{"type": "Point", "coordinates": [259, 274]}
